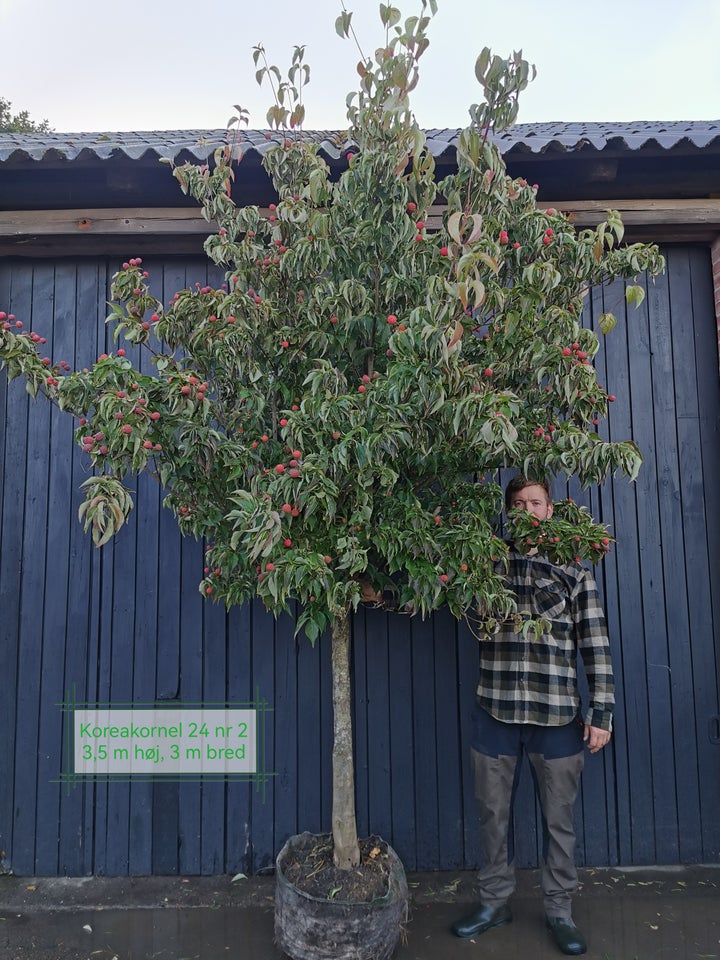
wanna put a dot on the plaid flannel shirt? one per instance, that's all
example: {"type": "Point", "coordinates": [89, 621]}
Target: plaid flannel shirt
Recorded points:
{"type": "Point", "coordinates": [535, 681]}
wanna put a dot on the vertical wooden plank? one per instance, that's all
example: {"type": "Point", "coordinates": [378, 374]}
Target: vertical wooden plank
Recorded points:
{"type": "Point", "coordinates": [16, 290]}
{"type": "Point", "coordinates": [214, 693]}
{"type": "Point", "coordinates": [33, 597]}
{"type": "Point", "coordinates": [57, 579]}
{"type": "Point", "coordinates": [468, 672]}
{"type": "Point", "coordinates": [403, 783]}
{"type": "Point", "coordinates": [677, 390]}
{"type": "Point", "coordinates": [191, 634]}
{"type": "Point", "coordinates": [448, 747]}
{"type": "Point", "coordinates": [703, 543]}
{"type": "Point", "coordinates": [425, 745]}
{"type": "Point", "coordinates": [77, 806]}
{"type": "Point", "coordinates": [238, 836]}
{"type": "Point", "coordinates": [264, 841]}
{"type": "Point", "coordinates": [378, 627]}
{"type": "Point", "coordinates": [308, 736]}
{"type": "Point", "coordinates": [636, 510]}
{"type": "Point", "coordinates": [287, 719]}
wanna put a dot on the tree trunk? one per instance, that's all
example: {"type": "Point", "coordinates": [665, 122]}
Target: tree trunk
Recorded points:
{"type": "Point", "coordinates": [344, 826]}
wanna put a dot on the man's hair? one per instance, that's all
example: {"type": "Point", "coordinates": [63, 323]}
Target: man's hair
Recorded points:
{"type": "Point", "coordinates": [519, 483]}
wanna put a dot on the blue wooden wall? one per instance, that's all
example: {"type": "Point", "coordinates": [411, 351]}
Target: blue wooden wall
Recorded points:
{"type": "Point", "coordinates": [127, 624]}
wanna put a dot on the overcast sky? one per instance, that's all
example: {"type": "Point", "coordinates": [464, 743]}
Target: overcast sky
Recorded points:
{"type": "Point", "coordinates": [93, 65]}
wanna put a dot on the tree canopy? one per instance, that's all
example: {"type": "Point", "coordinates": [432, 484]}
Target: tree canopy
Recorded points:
{"type": "Point", "coordinates": [19, 122]}
{"type": "Point", "coordinates": [331, 418]}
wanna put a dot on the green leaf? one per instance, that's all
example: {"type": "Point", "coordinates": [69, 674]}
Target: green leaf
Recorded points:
{"type": "Point", "coordinates": [606, 322]}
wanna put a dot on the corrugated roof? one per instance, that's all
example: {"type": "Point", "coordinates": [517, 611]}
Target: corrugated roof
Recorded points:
{"type": "Point", "coordinates": [200, 144]}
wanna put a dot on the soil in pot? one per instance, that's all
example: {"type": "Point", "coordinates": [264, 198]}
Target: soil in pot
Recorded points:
{"type": "Point", "coordinates": [322, 913]}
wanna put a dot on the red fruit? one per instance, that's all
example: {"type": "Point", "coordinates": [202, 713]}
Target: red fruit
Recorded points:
{"type": "Point", "coordinates": [503, 238]}
{"type": "Point", "coordinates": [411, 207]}
{"type": "Point", "coordinates": [269, 567]}
{"type": "Point", "coordinates": [463, 567]}
{"type": "Point", "coordinates": [126, 428]}
{"type": "Point", "coordinates": [231, 319]}
{"type": "Point", "coordinates": [148, 444]}
{"type": "Point", "coordinates": [284, 344]}
{"type": "Point", "coordinates": [365, 378]}
{"type": "Point", "coordinates": [443, 251]}
{"type": "Point", "coordinates": [362, 388]}
{"type": "Point", "coordinates": [118, 415]}
{"type": "Point", "coordinates": [437, 520]}
{"type": "Point", "coordinates": [547, 240]}
{"type": "Point", "coordinates": [208, 590]}
{"type": "Point", "coordinates": [488, 371]}
{"type": "Point", "coordinates": [264, 438]}
{"type": "Point", "coordinates": [567, 352]}
{"type": "Point", "coordinates": [419, 236]}
{"type": "Point", "coordinates": [286, 508]}
{"type": "Point", "coordinates": [516, 246]}
{"type": "Point", "coordinates": [444, 577]}
{"type": "Point", "coordinates": [327, 559]}
{"type": "Point", "coordinates": [121, 353]}
{"type": "Point", "coordinates": [294, 473]}
{"type": "Point", "coordinates": [155, 415]}
{"type": "Point", "coordinates": [296, 454]}
{"type": "Point", "coordinates": [280, 468]}
{"type": "Point", "coordinates": [287, 542]}
{"type": "Point", "coordinates": [121, 394]}
{"type": "Point", "coordinates": [420, 225]}
{"type": "Point", "coordinates": [283, 422]}
{"type": "Point", "coordinates": [185, 390]}
{"type": "Point", "coordinates": [612, 398]}
{"type": "Point", "coordinates": [335, 435]}
{"type": "Point", "coordinates": [392, 319]}
{"type": "Point", "coordinates": [103, 450]}
{"type": "Point", "coordinates": [333, 319]}
{"type": "Point", "coordinates": [158, 446]}
{"type": "Point", "coordinates": [295, 512]}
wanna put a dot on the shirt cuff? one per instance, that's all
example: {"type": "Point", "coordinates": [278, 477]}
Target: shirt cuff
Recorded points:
{"type": "Point", "coordinates": [597, 717]}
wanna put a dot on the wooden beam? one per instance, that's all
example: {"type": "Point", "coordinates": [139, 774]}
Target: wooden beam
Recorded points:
{"type": "Point", "coordinates": [704, 212]}
{"type": "Point", "coordinates": [139, 221]}
{"type": "Point", "coordinates": [35, 232]}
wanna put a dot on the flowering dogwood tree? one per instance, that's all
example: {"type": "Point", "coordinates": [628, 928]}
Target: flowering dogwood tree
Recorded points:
{"type": "Point", "coordinates": [331, 419]}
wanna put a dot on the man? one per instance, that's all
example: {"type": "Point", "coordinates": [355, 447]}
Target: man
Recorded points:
{"type": "Point", "coordinates": [527, 701]}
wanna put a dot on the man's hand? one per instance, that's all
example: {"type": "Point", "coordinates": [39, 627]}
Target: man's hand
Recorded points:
{"type": "Point", "coordinates": [595, 738]}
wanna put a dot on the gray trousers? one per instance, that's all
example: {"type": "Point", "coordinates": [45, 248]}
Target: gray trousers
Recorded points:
{"type": "Point", "coordinates": [556, 757]}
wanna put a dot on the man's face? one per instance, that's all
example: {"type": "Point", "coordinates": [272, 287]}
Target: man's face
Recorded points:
{"type": "Point", "coordinates": [533, 499]}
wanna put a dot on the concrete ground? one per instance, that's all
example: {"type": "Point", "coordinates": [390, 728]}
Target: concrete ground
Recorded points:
{"type": "Point", "coordinates": [637, 914]}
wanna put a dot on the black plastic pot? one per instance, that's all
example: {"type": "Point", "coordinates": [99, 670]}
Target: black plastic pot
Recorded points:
{"type": "Point", "coordinates": [309, 928]}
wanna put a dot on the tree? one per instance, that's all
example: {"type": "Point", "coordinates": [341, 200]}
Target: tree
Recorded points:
{"type": "Point", "coordinates": [20, 122]}
{"type": "Point", "coordinates": [331, 420]}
